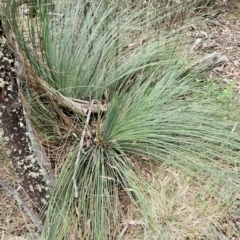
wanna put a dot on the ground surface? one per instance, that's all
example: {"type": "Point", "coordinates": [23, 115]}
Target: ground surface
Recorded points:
{"type": "Point", "coordinates": [218, 31]}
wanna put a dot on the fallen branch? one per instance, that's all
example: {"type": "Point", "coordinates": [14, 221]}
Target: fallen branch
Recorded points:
{"type": "Point", "coordinates": [207, 62]}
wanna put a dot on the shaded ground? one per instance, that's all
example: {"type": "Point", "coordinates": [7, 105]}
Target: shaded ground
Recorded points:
{"type": "Point", "coordinates": [218, 31]}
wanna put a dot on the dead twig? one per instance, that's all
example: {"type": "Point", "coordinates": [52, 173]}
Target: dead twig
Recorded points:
{"type": "Point", "coordinates": [123, 231]}
{"type": "Point", "coordinates": [80, 150]}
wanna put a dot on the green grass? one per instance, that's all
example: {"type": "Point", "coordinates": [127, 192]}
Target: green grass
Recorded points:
{"type": "Point", "coordinates": [167, 143]}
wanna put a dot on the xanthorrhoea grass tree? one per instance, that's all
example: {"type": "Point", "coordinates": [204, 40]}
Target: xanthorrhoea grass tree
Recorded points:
{"type": "Point", "coordinates": [114, 96]}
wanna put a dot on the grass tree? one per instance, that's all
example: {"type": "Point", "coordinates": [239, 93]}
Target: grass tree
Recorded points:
{"type": "Point", "coordinates": [111, 98]}
{"type": "Point", "coordinates": [15, 131]}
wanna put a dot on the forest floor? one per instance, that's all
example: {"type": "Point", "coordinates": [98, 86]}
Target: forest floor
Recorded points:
{"type": "Point", "coordinates": [218, 31]}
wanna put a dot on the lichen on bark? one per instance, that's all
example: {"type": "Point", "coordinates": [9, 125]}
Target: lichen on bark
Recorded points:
{"type": "Point", "coordinates": [14, 130]}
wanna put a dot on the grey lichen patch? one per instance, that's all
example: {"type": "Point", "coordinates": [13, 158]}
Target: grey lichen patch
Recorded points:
{"type": "Point", "coordinates": [1, 134]}
{"type": "Point", "coordinates": [31, 188]}
{"type": "Point", "coordinates": [9, 87]}
{"type": "Point", "coordinates": [6, 138]}
{"type": "Point", "coordinates": [2, 83]}
{"type": "Point", "coordinates": [44, 201]}
{"type": "Point", "coordinates": [34, 174]}
{"type": "Point", "coordinates": [31, 159]}
{"type": "Point", "coordinates": [40, 188]}
{"type": "Point", "coordinates": [27, 166]}
{"type": "Point", "coordinates": [6, 59]}
{"type": "Point", "coordinates": [20, 163]}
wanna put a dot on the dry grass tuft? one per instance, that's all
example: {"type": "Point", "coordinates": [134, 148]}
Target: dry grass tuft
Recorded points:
{"type": "Point", "coordinates": [186, 209]}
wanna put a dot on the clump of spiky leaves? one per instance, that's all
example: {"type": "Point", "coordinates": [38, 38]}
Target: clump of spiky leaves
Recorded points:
{"type": "Point", "coordinates": [156, 113]}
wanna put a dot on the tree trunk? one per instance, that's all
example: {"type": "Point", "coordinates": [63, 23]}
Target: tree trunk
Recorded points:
{"type": "Point", "coordinates": [14, 130]}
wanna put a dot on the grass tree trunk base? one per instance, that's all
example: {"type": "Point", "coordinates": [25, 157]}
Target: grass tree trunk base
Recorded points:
{"type": "Point", "coordinates": [14, 132]}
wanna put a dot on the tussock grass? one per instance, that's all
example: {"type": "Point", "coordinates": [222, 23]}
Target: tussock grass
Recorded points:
{"type": "Point", "coordinates": [159, 156]}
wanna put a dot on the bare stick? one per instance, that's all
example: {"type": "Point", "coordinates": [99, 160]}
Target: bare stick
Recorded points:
{"type": "Point", "coordinates": [123, 231]}
{"type": "Point", "coordinates": [22, 204]}
{"type": "Point", "coordinates": [81, 148]}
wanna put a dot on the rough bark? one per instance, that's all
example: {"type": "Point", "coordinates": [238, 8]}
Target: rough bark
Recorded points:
{"type": "Point", "coordinates": [14, 131]}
